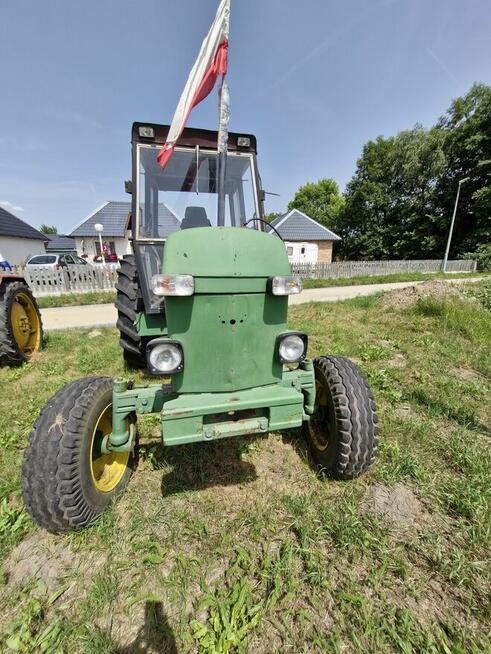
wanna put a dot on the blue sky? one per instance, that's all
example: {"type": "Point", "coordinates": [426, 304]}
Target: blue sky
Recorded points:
{"type": "Point", "coordinates": [314, 80]}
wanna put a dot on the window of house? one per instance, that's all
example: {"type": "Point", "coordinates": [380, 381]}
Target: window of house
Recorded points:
{"type": "Point", "coordinates": [302, 250]}
{"type": "Point", "coordinates": [289, 251]}
{"type": "Point", "coordinates": [108, 246]}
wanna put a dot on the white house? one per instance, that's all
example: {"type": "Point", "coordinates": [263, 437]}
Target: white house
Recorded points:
{"type": "Point", "coordinates": [115, 220]}
{"type": "Point", "coordinates": [18, 240]}
{"type": "Point", "coordinates": [306, 240]}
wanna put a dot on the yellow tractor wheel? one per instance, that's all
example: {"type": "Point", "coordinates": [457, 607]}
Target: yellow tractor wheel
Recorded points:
{"type": "Point", "coordinates": [21, 329]}
{"type": "Point", "coordinates": [67, 479]}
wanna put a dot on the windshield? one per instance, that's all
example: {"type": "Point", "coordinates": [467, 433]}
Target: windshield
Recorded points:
{"type": "Point", "coordinates": [185, 193]}
{"type": "Point", "coordinates": [43, 259]}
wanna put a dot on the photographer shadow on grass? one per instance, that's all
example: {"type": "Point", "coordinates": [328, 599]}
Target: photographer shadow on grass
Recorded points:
{"type": "Point", "coordinates": [155, 635]}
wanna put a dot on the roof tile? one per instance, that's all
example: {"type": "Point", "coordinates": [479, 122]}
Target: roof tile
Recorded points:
{"type": "Point", "coordinates": [10, 225]}
{"type": "Point", "coordinates": [297, 226]}
{"type": "Point", "coordinates": [114, 217]}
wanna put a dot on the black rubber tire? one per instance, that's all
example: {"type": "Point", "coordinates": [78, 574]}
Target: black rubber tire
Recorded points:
{"type": "Point", "coordinates": [348, 417]}
{"type": "Point", "coordinates": [58, 489]}
{"type": "Point", "coordinates": [10, 353]}
{"type": "Point", "coordinates": [128, 303]}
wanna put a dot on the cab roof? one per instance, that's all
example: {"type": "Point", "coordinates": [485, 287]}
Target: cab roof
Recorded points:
{"type": "Point", "coordinates": [192, 137]}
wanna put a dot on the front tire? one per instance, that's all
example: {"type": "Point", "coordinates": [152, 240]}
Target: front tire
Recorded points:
{"type": "Point", "coordinates": [66, 481]}
{"type": "Point", "coordinates": [343, 432]}
{"type": "Point", "coordinates": [21, 329]}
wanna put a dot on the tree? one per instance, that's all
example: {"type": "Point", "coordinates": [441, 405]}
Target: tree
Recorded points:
{"type": "Point", "coordinates": [320, 200]}
{"type": "Point", "coordinates": [400, 200]}
{"type": "Point", "coordinates": [389, 210]}
{"type": "Point", "coordinates": [467, 129]}
{"type": "Point", "coordinates": [48, 229]}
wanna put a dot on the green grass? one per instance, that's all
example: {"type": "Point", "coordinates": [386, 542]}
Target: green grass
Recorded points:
{"type": "Point", "coordinates": [240, 545]}
{"type": "Point", "coordinates": [76, 299]}
{"type": "Point", "coordinates": [386, 279]}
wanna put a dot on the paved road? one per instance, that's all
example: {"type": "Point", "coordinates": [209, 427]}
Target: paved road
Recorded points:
{"type": "Point", "coordinates": [101, 315]}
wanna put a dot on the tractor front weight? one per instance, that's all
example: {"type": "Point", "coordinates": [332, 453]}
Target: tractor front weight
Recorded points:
{"type": "Point", "coordinates": [193, 417]}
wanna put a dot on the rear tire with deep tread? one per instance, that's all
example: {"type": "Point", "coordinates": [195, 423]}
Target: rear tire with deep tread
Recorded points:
{"type": "Point", "coordinates": [128, 303]}
{"type": "Point", "coordinates": [57, 484]}
{"type": "Point", "coordinates": [343, 434]}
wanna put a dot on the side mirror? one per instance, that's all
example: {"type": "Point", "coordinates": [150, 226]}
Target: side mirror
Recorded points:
{"type": "Point", "coordinates": [128, 186]}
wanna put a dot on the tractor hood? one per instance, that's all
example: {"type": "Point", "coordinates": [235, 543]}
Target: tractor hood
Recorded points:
{"type": "Point", "coordinates": [225, 252]}
{"type": "Point", "coordinates": [228, 328]}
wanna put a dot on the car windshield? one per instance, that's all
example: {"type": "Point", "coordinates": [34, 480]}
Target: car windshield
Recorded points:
{"type": "Point", "coordinates": [185, 192]}
{"type": "Point", "coordinates": [38, 261]}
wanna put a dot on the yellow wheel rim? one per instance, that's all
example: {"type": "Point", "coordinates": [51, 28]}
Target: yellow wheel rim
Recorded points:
{"type": "Point", "coordinates": [318, 424]}
{"type": "Point", "coordinates": [107, 469]}
{"type": "Point", "coordinates": [26, 325]}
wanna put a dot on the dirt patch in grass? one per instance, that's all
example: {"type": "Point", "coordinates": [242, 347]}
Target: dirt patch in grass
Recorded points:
{"type": "Point", "coordinates": [407, 297]}
{"type": "Point", "coordinates": [48, 558]}
{"type": "Point", "coordinates": [398, 505]}
{"type": "Point", "coordinates": [466, 374]}
{"type": "Point", "coordinates": [398, 361]}
{"type": "Point", "coordinates": [282, 465]}
{"type": "Point", "coordinates": [406, 412]}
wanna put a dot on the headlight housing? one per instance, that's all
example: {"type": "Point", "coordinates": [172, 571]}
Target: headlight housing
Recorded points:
{"type": "Point", "coordinates": [164, 356]}
{"type": "Point", "coordinates": [285, 285]}
{"type": "Point", "coordinates": [172, 285]}
{"type": "Point", "coordinates": [291, 347]}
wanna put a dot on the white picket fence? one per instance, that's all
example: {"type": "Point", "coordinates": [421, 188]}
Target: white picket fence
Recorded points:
{"type": "Point", "coordinates": [73, 279]}
{"type": "Point", "coordinates": [368, 268]}
{"type": "Point", "coordinates": [82, 279]}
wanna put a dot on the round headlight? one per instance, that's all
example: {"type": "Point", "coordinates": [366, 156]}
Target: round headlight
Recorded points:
{"type": "Point", "coordinates": [165, 357]}
{"type": "Point", "coordinates": [291, 348]}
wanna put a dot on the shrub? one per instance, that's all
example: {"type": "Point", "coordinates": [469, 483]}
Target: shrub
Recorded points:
{"type": "Point", "coordinates": [482, 255]}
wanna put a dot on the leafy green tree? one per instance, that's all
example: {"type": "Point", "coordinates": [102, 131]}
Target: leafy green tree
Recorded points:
{"type": "Point", "coordinates": [467, 128]}
{"type": "Point", "coordinates": [389, 211]}
{"type": "Point", "coordinates": [400, 201]}
{"type": "Point", "coordinates": [48, 229]}
{"type": "Point", "coordinates": [320, 200]}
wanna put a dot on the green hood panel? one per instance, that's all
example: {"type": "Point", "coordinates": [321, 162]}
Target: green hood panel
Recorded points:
{"type": "Point", "coordinates": [225, 252]}
{"type": "Point", "coordinates": [228, 328]}
{"type": "Point", "coordinates": [228, 340]}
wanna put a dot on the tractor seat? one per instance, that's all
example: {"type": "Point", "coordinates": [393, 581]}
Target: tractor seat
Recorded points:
{"type": "Point", "coordinates": [195, 217]}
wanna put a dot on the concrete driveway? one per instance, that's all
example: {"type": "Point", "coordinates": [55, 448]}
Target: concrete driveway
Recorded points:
{"type": "Point", "coordinates": [102, 315]}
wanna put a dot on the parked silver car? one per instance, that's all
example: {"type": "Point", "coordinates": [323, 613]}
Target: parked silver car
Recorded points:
{"type": "Point", "coordinates": [55, 261]}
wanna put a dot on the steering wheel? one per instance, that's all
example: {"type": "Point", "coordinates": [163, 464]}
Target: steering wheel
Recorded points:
{"type": "Point", "coordinates": [266, 223]}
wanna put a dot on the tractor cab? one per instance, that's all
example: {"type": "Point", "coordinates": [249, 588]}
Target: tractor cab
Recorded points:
{"type": "Point", "coordinates": [184, 194]}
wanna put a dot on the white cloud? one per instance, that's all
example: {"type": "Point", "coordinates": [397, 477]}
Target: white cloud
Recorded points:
{"type": "Point", "coordinates": [11, 207]}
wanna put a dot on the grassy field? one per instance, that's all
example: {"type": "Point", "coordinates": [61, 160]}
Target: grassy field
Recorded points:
{"type": "Point", "coordinates": [77, 299]}
{"type": "Point", "coordinates": [240, 545]}
{"type": "Point", "coordinates": [386, 279]}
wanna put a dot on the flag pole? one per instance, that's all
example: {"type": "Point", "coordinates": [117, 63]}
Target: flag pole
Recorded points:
{"type": "Point", "coordinates": [224, 96]}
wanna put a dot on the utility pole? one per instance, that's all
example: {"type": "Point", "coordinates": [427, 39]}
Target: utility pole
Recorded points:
{"type": "Point", "coordinates": [450, 233]}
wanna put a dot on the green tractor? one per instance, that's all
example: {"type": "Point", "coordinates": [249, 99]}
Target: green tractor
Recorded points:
{"type": "Point", "coordinates": [203, 308]}
{"type": "Point", "coordinates": [21, 329]}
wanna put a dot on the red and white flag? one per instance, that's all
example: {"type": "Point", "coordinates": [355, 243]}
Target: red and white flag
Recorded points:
{"type": "Point", "coordinates": [211, 63]}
